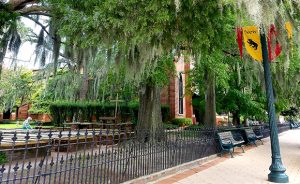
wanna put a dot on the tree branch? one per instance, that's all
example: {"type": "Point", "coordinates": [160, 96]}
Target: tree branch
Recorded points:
{"type": "Point", "coordinates": [38, 13]}
{"type": "Point", "coordinates": [20, 4]}
{"type": "Point", "coordinates": [38, 23]}
{"type": "Point", "coordinates": [33, 9]}
{"type": "Point", "coordinates": [231, 54]}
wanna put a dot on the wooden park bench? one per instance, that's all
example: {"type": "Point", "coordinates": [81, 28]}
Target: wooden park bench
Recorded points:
{"type": "Point", "coordinates": [252, 137]}
{"type": "Point", "coordinates": [228, 143]}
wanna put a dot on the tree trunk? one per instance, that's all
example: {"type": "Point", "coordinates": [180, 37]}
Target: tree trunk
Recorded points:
{"type": "Point", "coordinates": [17, 113]}
{"type": "Point", "coordinates": [85, 79]}
{"type": "Point", "coordinates": [149, 116]}
{"type": "Point", "coordinates": [236, 119]}
{"type": "Point", "coordinates": [3, 48]}
{"type": "Point", "coordinates": [210, 99]}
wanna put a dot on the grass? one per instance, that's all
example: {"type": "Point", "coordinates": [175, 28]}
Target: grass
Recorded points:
{"type": "Point", "coordinates": [12, 126]}
{"type": "Point", "coordinates": [15, 125]}
{"type": "Point", "coordinates": [3, 158]}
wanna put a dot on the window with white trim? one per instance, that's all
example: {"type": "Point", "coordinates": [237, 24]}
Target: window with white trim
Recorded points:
{"type": "Point", "coordinates": [180, 94]}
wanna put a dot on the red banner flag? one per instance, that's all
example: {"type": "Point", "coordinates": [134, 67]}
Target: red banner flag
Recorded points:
{"type": "Point", "coordinates": [239, 39]}
{"type": "Point", "coordinates": [272, 34]}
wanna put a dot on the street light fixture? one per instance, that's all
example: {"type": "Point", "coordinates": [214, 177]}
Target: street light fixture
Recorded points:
{"type": "Point", "coordinates": [277, 169]}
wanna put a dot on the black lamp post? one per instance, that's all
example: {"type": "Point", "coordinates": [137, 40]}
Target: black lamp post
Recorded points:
{"type": "Point", "coordinates": [277, 169]}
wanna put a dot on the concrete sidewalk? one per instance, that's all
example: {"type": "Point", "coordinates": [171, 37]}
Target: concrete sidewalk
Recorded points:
{"type": "Point", "coordinates": [251, 167]}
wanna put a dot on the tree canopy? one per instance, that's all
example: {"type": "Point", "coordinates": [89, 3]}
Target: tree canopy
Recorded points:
{"type": "Point", "coordinates": [108, 47]}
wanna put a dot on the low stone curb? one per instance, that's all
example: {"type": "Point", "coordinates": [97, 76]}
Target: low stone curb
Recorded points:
{"type": "Point", "coordinates": [170, 171]}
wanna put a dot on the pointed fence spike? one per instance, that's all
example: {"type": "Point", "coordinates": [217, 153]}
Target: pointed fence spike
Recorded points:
{"type": "Point", "coordinates": [39, 135]}
{"type": "Point", "coordinates": [16, 167]}
{"type": "Point", "coordinates": [14, 138]}
{"type": "Point", "coordinates": [29, 166]}
{"type": "Point", "coordinates": [52, 162]}
{"type": "Point", "coordinates": [2, 169]}
{"type": "Point", "coordinates": [50, 134]}
{"type": "Point", "coordinates": [71, 158]}
{"type": "Point", "coordinates": [1, 136]}
{"type": "Point", "coordinates": [78, 133]}
{"type": "Point", "coordinates": [60, 134]}
{"type": "Point", "coordinates": [70, 133]}
{"type": "Point", "coordinates": [61, 161]}
{"type": "Point", "coordinates": [27, 137]}
{"type": "Point", "coordinates": [93, 132]}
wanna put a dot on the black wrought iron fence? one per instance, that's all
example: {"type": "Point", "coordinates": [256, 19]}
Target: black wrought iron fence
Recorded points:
{"type": "Point", "coordinates": [96, 156]}
{"type": "Point", "coordinates": [99, 156]}
{"type": "Point", "coordinates": [265, 129]}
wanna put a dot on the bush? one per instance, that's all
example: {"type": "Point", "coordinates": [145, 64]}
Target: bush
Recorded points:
{"type": "Point", "coordinates": [182, 121]}
{"type": "Point", "coordinates": [169, 126]}
{"type": "Point", "coordinates": [40, 107]}
{"type": "Point", "coordinates": [3, 158]}
{"type": "Point", "coordinates": [165, 113]}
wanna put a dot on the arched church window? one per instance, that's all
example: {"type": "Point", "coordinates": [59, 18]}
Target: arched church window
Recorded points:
{"type": "Point", "coordinates": [180, 92]}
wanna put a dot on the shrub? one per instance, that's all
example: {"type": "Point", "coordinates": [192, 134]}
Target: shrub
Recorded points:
{"type": "Point", "coordinates": [83, 111]}
{"type": "Point", "coordinates": [3, 158]}
{"type": "Point", "coordinates": [169, 126]}
{"type": "Point", "coordinates": [40, 107]}
{"type": "Point", "coordinates": [182, 121]}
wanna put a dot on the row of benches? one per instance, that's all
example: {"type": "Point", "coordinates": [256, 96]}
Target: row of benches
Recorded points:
{"type": "Point", "coordinates": [294, 125]}
{"type": "Point", "coordinates": [228, 143]}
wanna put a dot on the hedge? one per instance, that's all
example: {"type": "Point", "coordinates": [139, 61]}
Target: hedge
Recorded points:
{"type": "Point", "coordinates": [83, 111]}
{"type": "Point", "coordinates": [182, 121]}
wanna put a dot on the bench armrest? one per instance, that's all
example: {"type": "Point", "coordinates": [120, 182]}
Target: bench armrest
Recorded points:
{"type": "Point", "coordinates": [240, 138]}
{"type": "Point", "coordinates": [226, 139]}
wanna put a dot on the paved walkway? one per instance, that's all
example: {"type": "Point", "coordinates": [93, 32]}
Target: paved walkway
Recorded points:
{"type": "Point", "coordinates": [251, 167]}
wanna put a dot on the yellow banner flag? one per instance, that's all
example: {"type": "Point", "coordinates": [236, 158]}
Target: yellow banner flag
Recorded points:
{"type": "Point", "coordinates": [289, 29]}
{"type": "Point", "coordinates": [252, 42]}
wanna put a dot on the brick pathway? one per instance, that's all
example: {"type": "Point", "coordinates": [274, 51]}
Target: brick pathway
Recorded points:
{"type": "Point", "coordinates": [251, 167]}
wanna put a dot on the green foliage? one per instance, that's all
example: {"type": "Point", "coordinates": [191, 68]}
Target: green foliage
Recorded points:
{"type": "Point", "coordinates": [83, 111]}
{"type": "Point", "coordinates": [39, 107]}
{"type": "Point", "coordinates": [286, 76]}
{"type": "Point", "coordinates": [236, 101]}
{"type": "Point", "coordinates": [143, 31]}
{"type": "Point", "coordinates": [7, 16]}
{"type": "Point", "coordinates": [163, 71]}
{"type": "Point", "coordinates": [16, 88]}
{"type": "Point", "coordinates": [169, 126]}
{"type": "Point", "coordinates": [182, 121]}
{"type": "Point", "coordinates": [106, 82]}
{"type": "Point", "coordinates": [3, 158]}
{"type": "Point", "coordinates": [199, 107]}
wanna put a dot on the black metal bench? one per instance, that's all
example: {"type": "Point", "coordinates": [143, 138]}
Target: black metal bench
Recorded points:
{"type": "Point", "coordinates": [228, 143]}
{"type": "Point", "coordinates": [294, 125]}
{"type": "Point", "coordinates": [252, 137]}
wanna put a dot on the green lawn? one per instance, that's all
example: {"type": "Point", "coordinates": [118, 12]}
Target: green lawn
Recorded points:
{"type": "Point", "coordinates": [17, 126]}
{"type": "Point", "coordinates": [12, 126]}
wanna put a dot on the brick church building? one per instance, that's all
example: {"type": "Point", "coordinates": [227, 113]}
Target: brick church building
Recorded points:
{"type": "Point", "coordinates": [175, 94]}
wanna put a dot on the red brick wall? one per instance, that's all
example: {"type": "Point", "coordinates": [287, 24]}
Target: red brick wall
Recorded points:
{"type": "Point", "coordinates": [164, 97]}
{"type": "Point", "coordinates": [12, 116]}
{"type": "Point", "coordinates": [188, 98]}
{"type": "Point", "coordinates": [172, 97]}
{"type": "Point", "coordinates": [23, 111]}
{"type": "Point", "coordinates": [41, 117]}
